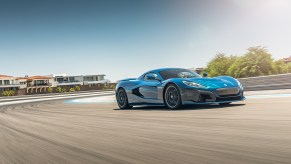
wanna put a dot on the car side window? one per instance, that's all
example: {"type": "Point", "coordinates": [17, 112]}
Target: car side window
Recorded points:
{"type": "Point", "coordinates": [151, 77]}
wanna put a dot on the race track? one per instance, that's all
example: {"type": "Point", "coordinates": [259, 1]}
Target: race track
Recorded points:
{"type": "Point", "coordinates": [257, 130]}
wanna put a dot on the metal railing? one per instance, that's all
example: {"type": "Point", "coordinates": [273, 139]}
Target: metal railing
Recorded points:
{"type": "Point", "coordinates": [75, 81]}
{"type": "Point", "coordinates": [36, 85]}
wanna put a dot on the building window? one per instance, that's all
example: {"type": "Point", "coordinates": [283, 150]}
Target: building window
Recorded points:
{"type": "Point", "coordinates": [0, 82]}
{"type": "Point", "coordinates": [101, 77]}
{"type": "Point", "coordinates": [60, 80]}
{"type": "Point", "coordinates": [39, 82]}
{"type": "Point", "coordinates": [72, 79]}
{"type": "Point", "coordinates": [89, 78]}
{"type": "Point", "coordinates": [6, 82]}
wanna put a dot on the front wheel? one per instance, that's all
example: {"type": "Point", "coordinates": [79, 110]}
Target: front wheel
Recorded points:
{"type": "Point", "coordinates": [122, 100]}
{"type": "Point", "coordinates": [172, 97]}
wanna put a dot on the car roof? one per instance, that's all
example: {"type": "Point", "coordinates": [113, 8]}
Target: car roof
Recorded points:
{"type": "Point", "coordinates": [158, 71]}
{"type": "Point", "coordinates": [163, 69]}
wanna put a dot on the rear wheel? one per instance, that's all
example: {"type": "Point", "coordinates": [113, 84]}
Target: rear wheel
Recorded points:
{"type": "Point", "coordinates": [122, 100]}
{"type": "Point", "coordinates": [172, 97]}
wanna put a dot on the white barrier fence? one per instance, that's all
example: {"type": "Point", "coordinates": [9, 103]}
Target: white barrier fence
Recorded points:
{"type": "Point", "coordinates": [281, 81]}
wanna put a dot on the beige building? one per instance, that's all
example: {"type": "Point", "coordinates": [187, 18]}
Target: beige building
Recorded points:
{"type": "Point", "coordinates": [40, 84]}
{"type": "Point", "coordinates": [35, 84]}
{"type": "Point", "coordinates": [8, 83]}
{"type": "Point", "coordinates": [287, 60]}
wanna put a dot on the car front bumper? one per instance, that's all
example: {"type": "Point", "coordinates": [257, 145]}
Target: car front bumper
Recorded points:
{"type": "Point", "coordinates": [190, 95]}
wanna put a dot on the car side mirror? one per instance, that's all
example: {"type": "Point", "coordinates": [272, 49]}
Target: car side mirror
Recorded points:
{"type": "Point", "coordinates": [205, 74]}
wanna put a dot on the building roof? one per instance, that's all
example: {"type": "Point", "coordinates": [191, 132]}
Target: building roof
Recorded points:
{"type": "Point", "coordinates": [94, 75]}
{"type": "Point", "coordinates": [33, 78]}
{"type": "Point", "coordinates": [66, 75]}
{"type": "Point", "coordinates": [21, 78]}
{"type": "Point", "coordinates": [39, 77]}
{"type": "Point", "coordinates": [287, 59]}
{"type": "Point", "coordinates": [5, 76]}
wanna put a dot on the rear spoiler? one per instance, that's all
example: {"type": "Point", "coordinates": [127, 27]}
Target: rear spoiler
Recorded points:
{"type": "Point", "coordinates": [128, 79]}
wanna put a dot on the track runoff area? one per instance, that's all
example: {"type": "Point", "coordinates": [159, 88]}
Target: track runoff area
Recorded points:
{"type": "Point", "coordinates": [89, 128]}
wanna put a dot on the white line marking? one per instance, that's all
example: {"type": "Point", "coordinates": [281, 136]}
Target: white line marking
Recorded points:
{"type": "Point", "coordinates": [102, 99]}
{"type": "Point", "coordinates": [53, 98]}
{"type": "Point", "coordinates": [49, 96]}
{"type": "Point", "coordinates": [268, 96]}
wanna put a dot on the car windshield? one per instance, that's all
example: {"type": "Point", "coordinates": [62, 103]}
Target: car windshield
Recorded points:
{"type": "Point", "coordinates": [178, 73]}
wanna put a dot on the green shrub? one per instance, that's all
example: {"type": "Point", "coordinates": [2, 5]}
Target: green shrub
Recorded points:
{"type": "Point", "coordinates": [77, 88]}
{"type": "Point", "coordinates": [59, 89]}
{"type": "Point", "coordinates": [5, 93]}
{"type": "Point", "coordinates": [11, 93]}
{"type": "Point", "coordinates": [8, 93]}
{"type": "Point", "coordinates": [72, 90]}
{"type": "Point", "coordinates": [49, 89]}
{"type": "Point", "coordinates": [64, 89]}
{"type": "Point", "coordinates": [105, 87]}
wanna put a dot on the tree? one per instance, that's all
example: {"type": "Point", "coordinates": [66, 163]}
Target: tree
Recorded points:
{"type": "Point", "coordinates": [279, 67]}
{"type": "Point", "coordinates": [256, 62]}
{"type": "Point", "coordinates": [219, 64]}
{"type": "Point", "coordinates": [288, 67]}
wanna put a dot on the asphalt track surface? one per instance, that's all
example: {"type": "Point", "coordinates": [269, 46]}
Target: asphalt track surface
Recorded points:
{"type": "Point", "coordinates": [257, 130]}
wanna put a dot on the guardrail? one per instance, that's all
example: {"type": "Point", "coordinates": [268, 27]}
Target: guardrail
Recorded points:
{"type": "Point", "coordinates": [281, 81]}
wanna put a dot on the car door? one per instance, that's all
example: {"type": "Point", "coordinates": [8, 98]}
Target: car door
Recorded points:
{"type": "Point", "coordinates": [149, 87]}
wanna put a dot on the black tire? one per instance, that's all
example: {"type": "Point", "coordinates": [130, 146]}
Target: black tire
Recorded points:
{"type": "Point", "coordinates": [172, 97]}
{"type": "Point", "coordinates": [121, 98]}
{"type": "Point", "coordinates": [223, 104]}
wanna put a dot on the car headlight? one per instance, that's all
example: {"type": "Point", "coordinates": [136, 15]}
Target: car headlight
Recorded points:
{"type": "Point", "coordinates": [238, 83]}
{"type": "Point", "coordinates": [193, 84]}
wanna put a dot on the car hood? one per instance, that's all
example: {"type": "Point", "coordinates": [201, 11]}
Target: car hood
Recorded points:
{"type": "Point", "coordinates": [212, 82]}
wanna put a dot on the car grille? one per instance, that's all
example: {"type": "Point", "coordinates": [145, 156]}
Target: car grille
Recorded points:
{"type": "Point", "coordinates": [228, 98]}
{"type": "Point", "coordinates": [227, 91]}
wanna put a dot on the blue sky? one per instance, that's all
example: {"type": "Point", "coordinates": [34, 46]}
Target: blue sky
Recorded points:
{"type": "Point", "coordinates": [124, 38]}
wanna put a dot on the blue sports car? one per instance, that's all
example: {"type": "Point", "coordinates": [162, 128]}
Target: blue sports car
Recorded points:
{"type": "Point", "coordinates": [175, 87]}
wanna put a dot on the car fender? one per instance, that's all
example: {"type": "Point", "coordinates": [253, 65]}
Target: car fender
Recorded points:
{"type": "Point", "coordinates": [161, 89]}
{"type": "Point", "coordinates": [229, 79]}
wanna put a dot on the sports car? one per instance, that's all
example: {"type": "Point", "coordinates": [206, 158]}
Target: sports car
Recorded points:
{"type": "Point", "coordinates": [174, 87]}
